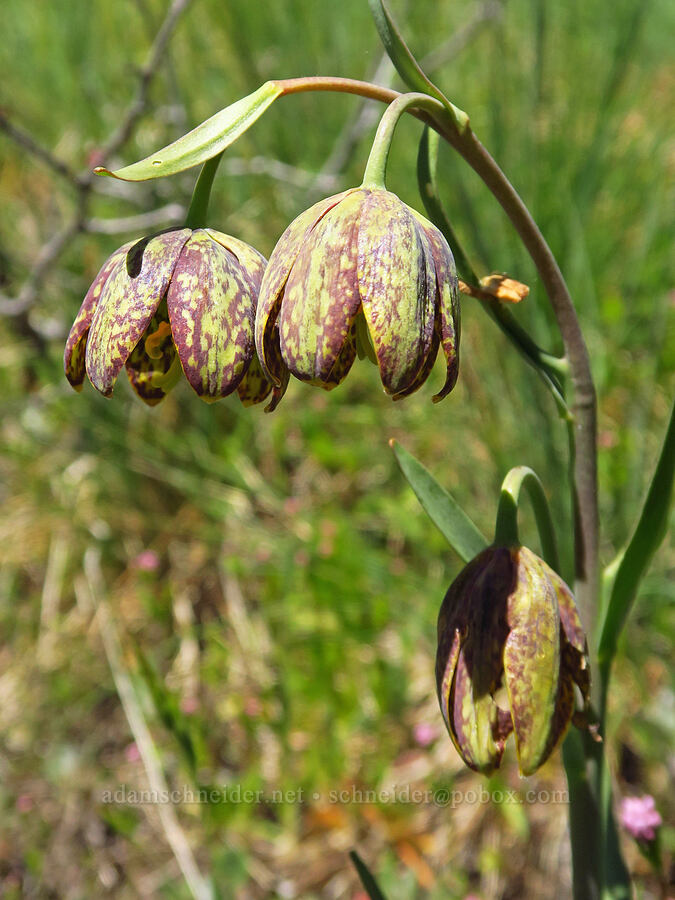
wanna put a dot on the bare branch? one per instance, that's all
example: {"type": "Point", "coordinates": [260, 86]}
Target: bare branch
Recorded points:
{"type": "Point", "coordinates": [170, 214]}
{"type": "Point", "coordinates": [23, 139]}
{"type": "Point", "coordinates": [155, 56]}
{"type": "Point", "coordinates": [18, 306]}
{"type": "Point", "coordinates": [47, 257]}
{"type": "Point", "coordinates": [274, 168]}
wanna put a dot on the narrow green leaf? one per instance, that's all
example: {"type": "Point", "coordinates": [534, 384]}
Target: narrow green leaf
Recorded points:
{"type": "Point", "coordinates": [367, 879]}
{"type": "Point", "coordinates": [441, 507]}
{"type": "Point", "coordinates": [406, 64]}
{"type": "Point", "coordinates": [204, 141]}
{"type": "Point", "coordinates": [650, 531]}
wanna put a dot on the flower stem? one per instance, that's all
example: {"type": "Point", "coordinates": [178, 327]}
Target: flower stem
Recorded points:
{"type": "Point", "coordinates": [506, 527]}
{"type": "Point", "coordinates": [584, 412]}
{"type": "Point", "coordinates": [589, 838]}
{"type": "Point", "coordinates": [199, 205]}
{"type": "Point", "coordinates": [376, 166]}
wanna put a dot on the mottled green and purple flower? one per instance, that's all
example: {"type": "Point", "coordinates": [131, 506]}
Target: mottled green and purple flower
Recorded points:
{"type": "Point", "coordinates": [511, 649]}
{"type": "Point", "coordinates": [178, 301]}
{"type": "Point", "coordinates": [359, 273]}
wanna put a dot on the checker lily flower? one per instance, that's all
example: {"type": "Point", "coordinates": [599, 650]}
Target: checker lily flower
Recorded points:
{"type": "Point", "coordinates": [508, 621]}
{"type": "Point", "coordinates": [179, 301]}
{"type": "Point", "coordinates": [359, 273]}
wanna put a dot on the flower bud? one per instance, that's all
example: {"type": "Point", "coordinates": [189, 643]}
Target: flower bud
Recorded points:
{"type": "Point", "coordinates": [510, 651]}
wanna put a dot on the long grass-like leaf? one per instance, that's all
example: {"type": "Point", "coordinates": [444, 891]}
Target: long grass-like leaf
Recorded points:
{"type": "Point", "coordinates": [649, 532]}
{"type": "Point", "coordinates": [367, 878]}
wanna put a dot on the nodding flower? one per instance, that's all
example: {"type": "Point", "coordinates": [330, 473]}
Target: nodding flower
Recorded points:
{"type": "Point", "coordinates": [181, 301]}
{"type": "Point", "coordinates": [361, 274]}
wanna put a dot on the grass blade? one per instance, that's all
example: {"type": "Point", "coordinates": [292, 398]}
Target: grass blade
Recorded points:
{"type": "Point", "coordinates": [649, 532]}
{"type": "Point", "coordinates": [367, 879]}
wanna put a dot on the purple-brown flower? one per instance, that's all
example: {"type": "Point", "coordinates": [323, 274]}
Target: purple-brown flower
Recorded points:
{"type": "Point", "coordinates": [511, 648]}
{"type": "Point", "coordinates": [359, 273]}
{"type": "Point", "coordinates": [177, 301]}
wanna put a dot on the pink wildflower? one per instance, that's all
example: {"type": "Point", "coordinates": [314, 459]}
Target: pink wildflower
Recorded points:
{"type": "Point", "coordinates": [639, 817]}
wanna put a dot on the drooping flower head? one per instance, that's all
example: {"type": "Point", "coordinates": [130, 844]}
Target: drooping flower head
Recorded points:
{"type": "Point", "coordinates": [181, 300]}
{"type": "Point", "coordinates": [509, 626]}
{"type": "Point", "coordinates": [359, 273]}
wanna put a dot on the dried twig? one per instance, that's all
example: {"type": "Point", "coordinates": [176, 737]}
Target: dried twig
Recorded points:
{"type": "Point", "coordinates": [51, 252]}
{"type": "Point", "coordinates": [25, 140]}
{"type": "Point", "coordinates": [170, 214]}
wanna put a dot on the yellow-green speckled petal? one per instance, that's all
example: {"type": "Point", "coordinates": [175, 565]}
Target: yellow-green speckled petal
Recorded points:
{"type": "Point", "coordinates": [254, 386]}
{"type": "Point", "coordinates": [127, 303]}
{"type": "Point", "coordinates": [211, 302]}
{"type": "Point", "coordinates": [73, 357]}
{"type": "Point", "coordinates": [281, 261]}
{"type": "Point", "coordinates": [447, 302]}
{"type": "Point", "coordinates": [253, 262]}
{"type": "Point", "coordinates": [321, 297]}
{"type": "Point", "coordinates": [426, 369]}
{"type": "Point", "coordinates": [344, 361]}
{"type": "Point", "coordinates": [532, 658]}
{"type": "Point", "coordinates": [395, 275]}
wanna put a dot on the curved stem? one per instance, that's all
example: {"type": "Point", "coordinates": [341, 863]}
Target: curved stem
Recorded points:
{"type": "Point", "coordinates": [199, 205]}
{"type": "Point", "coordinates": [584, 405]}
{"type": "Point", "coordinates": [584, 413]}
{"type": "Point", "coordinates": [376, 166]}
{"type": "Point", "coordinates": [506, 527]}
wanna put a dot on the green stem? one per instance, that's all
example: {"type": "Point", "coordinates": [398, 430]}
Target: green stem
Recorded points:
{"type": "Point", "coordinates": [506, 527]}
{"type": "Point", "coordinates": [549, 368]}
{"type": "Point", "coordinates": [376, 166]}
{"type": "Point", "coordinates": [199, 205]}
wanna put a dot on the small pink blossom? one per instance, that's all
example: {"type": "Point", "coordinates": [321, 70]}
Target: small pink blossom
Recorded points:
{"type": "Point", "coordinates": [424, 734]}
{"type": "Point", "coordinates": [24, 803]}
{"type": "Point", "coordinates": [146, 561]}
{"type": "Point", "coordinates": [131, 752]}
{"type": "Point", "coordinates": [639, 817]}
{"type": "Point", "coordinates": [189, 706]}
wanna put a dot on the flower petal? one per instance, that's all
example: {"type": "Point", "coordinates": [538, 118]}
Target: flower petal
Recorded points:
{"type": "Point", "coordinates": [211, 302]}
{"type": "Point", "coordinates": [397, 288]}
{"type": "Point", "coordinates": [447, 301]}
{"type": "Point", "coordinates": [475, 721]}
{"type": "Point", "coordinates": [321, 296]}
{"type": "Point", "coordinates": [254, 386]}
{"type": "Point", "coordinates": [532, 658]}
{"type": "Point", "coordinates": [128, 302]}
{"type": "Point", "coordinates": [425, 371]}
{"type": "Point", "coordinates": [281, 261]}
{"type": "Point", "coordinates": [73, 357]}
{"type": "Point", "coordinates": [251, 261]}
{"type": "Point", "coordinates": [468, 661]}
{"type": "Point", "coordinates": [344, 361]}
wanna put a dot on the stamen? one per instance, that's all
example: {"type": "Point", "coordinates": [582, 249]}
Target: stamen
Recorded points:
{"type": "Point", "coordinates": [155, 338]}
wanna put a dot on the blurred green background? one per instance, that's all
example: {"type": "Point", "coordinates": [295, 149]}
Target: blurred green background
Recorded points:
{"type": "Point", "coordinates": [271, 580]}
